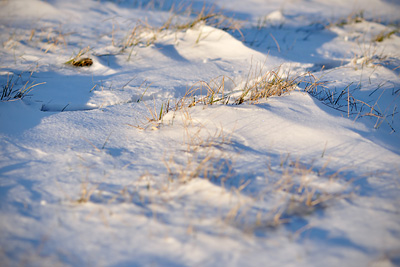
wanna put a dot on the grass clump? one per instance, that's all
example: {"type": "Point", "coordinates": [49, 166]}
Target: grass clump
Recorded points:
{"type": "Point", "coordinates": [79, 60]}
{"type": "Point", "coordinates": [82, 62]}
{"type": "Point", "coordinates": [86, 193]}
{"type": "Point", "coordinates": [345, 101]}
{"type": "Point", "coordinates": [215, 93]}
{"type": "Point", "coordinates": [52, 38]}
{"type": "Point", "coordinates": [144, 34]}
{"type": "Point", "coordinates": [259, 85]}
{"type": "Point", "coordinates": [204, 160]}
{"type": "Point", "coordinates": [292, 190]}
{"type": "Point", "coordinates": [383, 36]}
{"type": "Point", "coordinates": [211, 17]}
{"type": "Point", "coordinates": [15, 87]}
{"type": "Point", "coordinates": [156, 116]}
{"type": "Point", "coordinates": [305, 190]}
{"type": "Point", "coordinates": [270, 83]}
{"type": "Point", "coordinates": [356, 17]}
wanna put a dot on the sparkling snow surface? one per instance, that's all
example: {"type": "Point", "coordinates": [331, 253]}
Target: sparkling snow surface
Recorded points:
{"type": "Point", "coordinates": [301, 179]}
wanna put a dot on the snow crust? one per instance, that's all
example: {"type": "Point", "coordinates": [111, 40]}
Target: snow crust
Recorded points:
{"type": "Point", "coordinates": [89, 176]}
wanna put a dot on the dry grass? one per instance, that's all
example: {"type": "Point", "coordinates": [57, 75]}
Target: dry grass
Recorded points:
{"type": "Point", "coordinates": [17, 86]}
{"type": "Point", "coordinates": [368, 56]}
{"type": "Point", "coordinates": [298, 191]}
{"type": "Point", "coordinates": [87, 190]}
{"type": "Point", "coordinates": [79, 60]}
{"type": "Point", "coordinates": [266, 84]}
{"type": "Point", "coordinates": [259, 86]}
{"type": "Point", "coordinates": [214, 94]}
{"type": "Point", "coordinates": [54, 38]}
{"type": "Point", "coordinates": [207, 93]}
{"type": "Point", "coordinates": [352, 18]}
{"type": "Point", "coordinates": [211, 17]}
{"type": "Point", "coordinates": [50, 38]}
{"type": "Point", "coordinates": [384, 35]}
{"type": "Point", "coordinates": [180, 19]}
{"type": "Point", "coordinates": [301, 195]}
{"type": "Point", "coordinates": [358, 17]}
{"type": "Point", "coordinates": [205, 156]}
{"type": "Point", "coordinates": [345, 102]}
{"type": "Point", "coordinates": [291, 189]}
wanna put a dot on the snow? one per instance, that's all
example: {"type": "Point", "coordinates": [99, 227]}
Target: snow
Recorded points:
{"type": "Point", "coordinates": [91, 176]}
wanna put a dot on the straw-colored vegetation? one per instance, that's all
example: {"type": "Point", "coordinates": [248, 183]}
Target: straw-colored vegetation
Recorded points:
{"type": "Point", "coordinates": [15, 86]}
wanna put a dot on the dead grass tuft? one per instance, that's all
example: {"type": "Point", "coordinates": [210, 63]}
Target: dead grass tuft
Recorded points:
{"type": "Point", "coordinates": [50, 38]}
{"type": "Point", "coordinates": [259, 85]}
{"type": "Point", "coordinates": [180, 19]}
{"type": "Point", "coordinates": [344, 101]}
{"type": "Point", "coordinates": [352, 18]}
{"type": "Point", "coordinates": [205, 156]}
{"type": "Point", "coordinates": [384, 35]}
{"type": "Point", "coordinates": [299, 191]}
{"type": "Point", "coordinates": [267, 84]}
{"type": "Point", "coordinates": [17, 86]}
{"type": "Point", "coordinates": [79, 60]}
{"type": "Point", "coordinates": [300, 187]}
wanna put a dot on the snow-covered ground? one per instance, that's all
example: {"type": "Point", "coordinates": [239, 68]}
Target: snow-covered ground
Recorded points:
{"type": "Point", "coordinates": [113, 164]}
